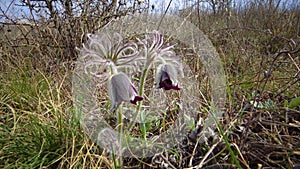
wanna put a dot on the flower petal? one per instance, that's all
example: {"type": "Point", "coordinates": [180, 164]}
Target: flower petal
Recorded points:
{"type": "Point", "coordinates": [121, 89]}
{"type": "Point", "coordinates": [136, 99]}
{"type": "Point", "coordinates": [166, 77]}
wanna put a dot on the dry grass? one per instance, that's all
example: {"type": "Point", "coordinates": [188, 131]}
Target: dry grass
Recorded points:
{"type": "Point", "coordinates": [261, 59]}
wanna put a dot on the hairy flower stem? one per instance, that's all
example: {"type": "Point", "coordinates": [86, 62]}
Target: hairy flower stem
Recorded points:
{"type": "Point", "coordinates": [141, 93]}
{"type": "Point", "coordinates": [119, 116]}
{"type": "Point", "coordinates": [120, 123]}
{"type": "Point", "coordinates": [112, 68]}
{"type": "Point", "coordinates": [120, 133]}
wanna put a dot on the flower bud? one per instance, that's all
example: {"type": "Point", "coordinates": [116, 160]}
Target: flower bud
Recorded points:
{"type": "Point", "coordinates": [166, 77]}
{"type": "Point", "coordinates": [121, 89]}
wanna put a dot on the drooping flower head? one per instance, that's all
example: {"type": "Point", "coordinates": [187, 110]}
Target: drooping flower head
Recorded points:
{"type": "Point", "coordinates": [166, 77]}
{"type": "Point", "coordinates": [156, 52]}
{"type": "Point", "coordinates": [121, 89]}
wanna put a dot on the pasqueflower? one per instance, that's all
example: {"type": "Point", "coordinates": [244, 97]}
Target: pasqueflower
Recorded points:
{"type": "Point", "coordinates": [121, 89]}
{"type": "Point", "coordinates": [166, 77]}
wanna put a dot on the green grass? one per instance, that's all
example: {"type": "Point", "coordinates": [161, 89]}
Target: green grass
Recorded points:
{"type": "Point", "coordinates": [39, 127]}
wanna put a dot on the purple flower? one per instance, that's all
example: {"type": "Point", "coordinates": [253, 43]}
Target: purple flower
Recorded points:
{"type": "Point", "coordinates": [121, 89]}
{"type": "Point", "coordinates": [166, 77]}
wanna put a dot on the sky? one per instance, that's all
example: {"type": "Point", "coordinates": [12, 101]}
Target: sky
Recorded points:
{"type": "Point", "coordinates": [13, 9]}
{"type": "Point", "coordinates": [8, 7]}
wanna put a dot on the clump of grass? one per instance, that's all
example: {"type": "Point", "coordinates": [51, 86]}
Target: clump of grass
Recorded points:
{"type": "Point", "coordinates": [38, 129]}
{"type": "Point", "coordinates": [37, 126]}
